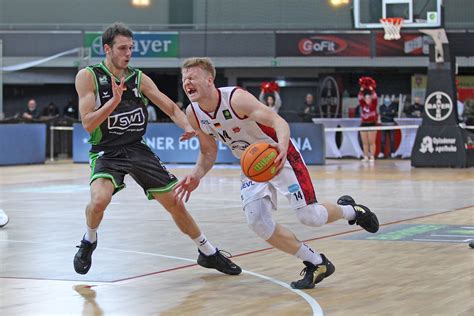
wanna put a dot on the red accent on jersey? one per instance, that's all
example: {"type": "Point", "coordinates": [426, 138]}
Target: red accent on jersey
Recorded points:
{"type": "Point", "coordinates": [299, 167]}
{"type": "Point", "coordinates": [195, 116]}
{"type": "Point", "coordinates": [230, 104]}
{"type": "Point", "coordinates": [217, 108]}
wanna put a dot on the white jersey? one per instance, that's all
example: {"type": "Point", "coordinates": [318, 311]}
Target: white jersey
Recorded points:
{"type": "Point", "coordinates": [225, 125]}
{"type": "Point", "coordinates": [238, 133]}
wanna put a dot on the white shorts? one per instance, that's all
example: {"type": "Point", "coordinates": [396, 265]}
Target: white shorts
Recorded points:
{"type": "Point", "coordinates": [293, 181]}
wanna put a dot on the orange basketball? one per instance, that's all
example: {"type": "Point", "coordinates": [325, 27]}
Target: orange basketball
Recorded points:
{"type": "Point", "coordinates": [257, 162]}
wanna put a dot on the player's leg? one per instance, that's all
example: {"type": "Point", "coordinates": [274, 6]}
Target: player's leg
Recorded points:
{"type": "Point", "coordinates": [105, 181]}
{"type": "Point", "coordinates": [157, 182]}
{"type": "Point", "coordinates": [259, 220]}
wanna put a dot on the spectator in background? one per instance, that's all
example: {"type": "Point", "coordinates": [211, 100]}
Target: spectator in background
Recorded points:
{"type": "Point", "coordinates": [71, 111]}
{"type": "Point", "coordinates": [51, 110]}
{"type": "Point", "coordinates": [414, 110]}
{"type": "Point", "coordinates": [273, 101]}
{"type": "Point", "coordinates": [152, 117]}
{"type": "Point", "coordinates": [388, 111]}
{"type": "Point", "coordinates": [310, 109]}
{"type": "Point", "coordinates": [31, 112]}
{"type": "Point", "coordinates": [368, 114]}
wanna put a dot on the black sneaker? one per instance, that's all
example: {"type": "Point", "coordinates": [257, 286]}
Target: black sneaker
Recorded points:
{"type": "Point", "coordinates": [471, 244]}
{"type": "Point", "coordinates": [83, 257]}
{"type": "Point", "coordinates": [364, 217]}
{"type": "Point", "coordinates": [313, 274]}
{"type": "Point", "coordinates": [219, 261]}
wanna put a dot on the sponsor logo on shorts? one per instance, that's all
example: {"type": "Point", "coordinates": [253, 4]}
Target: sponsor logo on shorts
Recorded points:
{"type": "Point", "coordinates": [123, 121]}
{"type": "Point", "coordinates": [294, 188]}
{"type": "Point", "coordinates": [246, 184]}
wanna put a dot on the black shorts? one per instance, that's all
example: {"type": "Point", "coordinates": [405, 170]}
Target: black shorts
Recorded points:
{"type": "Point", "coordinates": [138, 161]}
{"type": "Point", "coordinates": [366, 124]}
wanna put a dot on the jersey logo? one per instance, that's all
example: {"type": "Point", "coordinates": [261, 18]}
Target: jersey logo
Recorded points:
{"type": "Point", "coordinates": [123, 121]}
{"type": "Point", "coordinates": [218, 125]}
{"type": "Point", "coordinates": [227, 114]}
{"type": "Point", "coordinates": [103, 80]}
{"type": "Point", "coordinates": [239, 145]}
{"type": "Point", "coordinates": [236, 129]}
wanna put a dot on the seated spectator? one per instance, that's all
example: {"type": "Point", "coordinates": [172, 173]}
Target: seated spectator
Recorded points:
{"type": "Point", "coordinates": [31, 110]}
{"type": "Point", "coordinates": [71, 111]}
{"type": "Point", "coordinates": [50, 111]}
{"type": "Point", "coordinates": [415, 109]}
{"type": "Point", "coordinates": [310, 110]}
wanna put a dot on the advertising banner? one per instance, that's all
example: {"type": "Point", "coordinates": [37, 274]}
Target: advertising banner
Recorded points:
{"type": "Point", "coordinates": [22, 144]}
{"type": "Point", "coordinates": [164, 44]}
{"type": "Point", "coordinates": [408, 45]}
{"type": "Point", "coordinates": [308, 44]}
{"type": "Point", "coordinates": [163, 139]}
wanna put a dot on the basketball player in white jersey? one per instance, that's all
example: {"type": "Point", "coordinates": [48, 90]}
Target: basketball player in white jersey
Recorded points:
{"type": "Point", "coordinates": [238, 119]}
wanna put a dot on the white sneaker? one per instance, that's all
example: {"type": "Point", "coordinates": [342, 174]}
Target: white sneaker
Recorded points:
{"type": "Point", "coordinates": [381, 155]}
{"type": "Point", "coordinates": [393, 155]}
{"type": "Point", "coordinates": [365, 159]}
{"type": "Point", "coordinates": [3, 218]}
{"type": "Point", "coordinates": [372, 159]}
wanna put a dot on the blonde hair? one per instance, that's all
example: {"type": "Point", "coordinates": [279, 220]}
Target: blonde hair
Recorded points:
{"type": "Point", "coordinates": [201, 62]}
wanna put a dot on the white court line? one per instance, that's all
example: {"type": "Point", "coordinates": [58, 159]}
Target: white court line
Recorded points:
{"type": "Point", "coordinates": [317, 310]}
{"type": "Point", "coordinates": [453, 236]}
{"type": "Point", "coordinates": [444, 240]}
{"type": "Point", "coordinates": [468, 227]}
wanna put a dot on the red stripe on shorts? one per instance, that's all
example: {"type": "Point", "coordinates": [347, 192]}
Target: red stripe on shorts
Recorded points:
{"type": "Point", "coordinates": [299, 167]}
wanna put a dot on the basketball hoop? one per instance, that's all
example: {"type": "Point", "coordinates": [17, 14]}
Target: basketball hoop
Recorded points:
{"type": "Point", "coordinates": [392, 27]}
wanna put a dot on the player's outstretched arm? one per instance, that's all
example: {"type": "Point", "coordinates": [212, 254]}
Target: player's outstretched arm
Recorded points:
{"type": "Point", "coordinates": [207, 157]}
{"type": "Point", "coordinates": [151, 91]}
{"type": "Point", "coordinates": [85, 88]}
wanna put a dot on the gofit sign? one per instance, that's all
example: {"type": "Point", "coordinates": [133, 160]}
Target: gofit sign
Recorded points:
{"type": "Point", "coordinates": [144, 44]}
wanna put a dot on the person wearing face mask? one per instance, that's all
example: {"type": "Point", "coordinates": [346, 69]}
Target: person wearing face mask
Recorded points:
{"type": "Point", "coordinates": [388, 111]}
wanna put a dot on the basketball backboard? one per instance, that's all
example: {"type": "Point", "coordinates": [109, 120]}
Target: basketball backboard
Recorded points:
{"type": "Point", "coordinates": [416, 13]}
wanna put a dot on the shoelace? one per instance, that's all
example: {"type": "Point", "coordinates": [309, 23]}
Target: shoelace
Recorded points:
{"type": "Point", "coordinates": [224, 255]}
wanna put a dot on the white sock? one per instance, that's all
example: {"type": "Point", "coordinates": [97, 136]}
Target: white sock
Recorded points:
{"type": "Point", "coordinates": [307, 254]}
{"type": "Point", "coordinates": [91, 234]}
{"type": "Point", "coordinates": [205, 245]}
{"type": "Point", "coordinates": [348, 212]}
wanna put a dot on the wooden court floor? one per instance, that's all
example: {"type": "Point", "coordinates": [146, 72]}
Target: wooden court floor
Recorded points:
{"type": "Point", "coordinates": [418, 264]}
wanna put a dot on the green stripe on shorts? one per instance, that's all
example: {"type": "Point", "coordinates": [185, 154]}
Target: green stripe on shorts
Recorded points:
{"type": "Point", "coordinates": [165, 189]}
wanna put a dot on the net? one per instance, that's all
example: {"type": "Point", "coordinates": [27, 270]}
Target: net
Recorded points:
{"type": "Point", "coordinates": [392, 27]}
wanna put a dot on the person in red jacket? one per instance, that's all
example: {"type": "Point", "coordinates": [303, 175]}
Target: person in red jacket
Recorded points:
{"type": "Point", "coordinates": [368, 113]}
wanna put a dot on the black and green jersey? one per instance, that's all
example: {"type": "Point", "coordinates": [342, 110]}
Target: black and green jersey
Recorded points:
{"type": "Point", "coordinates": [127, 123]}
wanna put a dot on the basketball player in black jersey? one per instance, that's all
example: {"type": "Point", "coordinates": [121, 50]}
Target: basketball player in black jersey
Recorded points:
{"type": "Point", "coordinates": [112, 104]}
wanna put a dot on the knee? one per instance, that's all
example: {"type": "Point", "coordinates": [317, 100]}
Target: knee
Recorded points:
{"type": "Point", "coordinates": [312, 215]}
{"type": "Point", "coordinates": [99, 203]}
{"type": "Point", "coordinates": [259, 218]}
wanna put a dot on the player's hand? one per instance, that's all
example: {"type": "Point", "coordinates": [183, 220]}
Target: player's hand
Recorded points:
{"type": "Point", "coordinates": [184, 187]}
{"type": "Point", "coordinates": [188, 134]}
{"type": "Point", "coordinates": [117, 90]}
{"type": "Point", "coordinates": [281, 158]}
